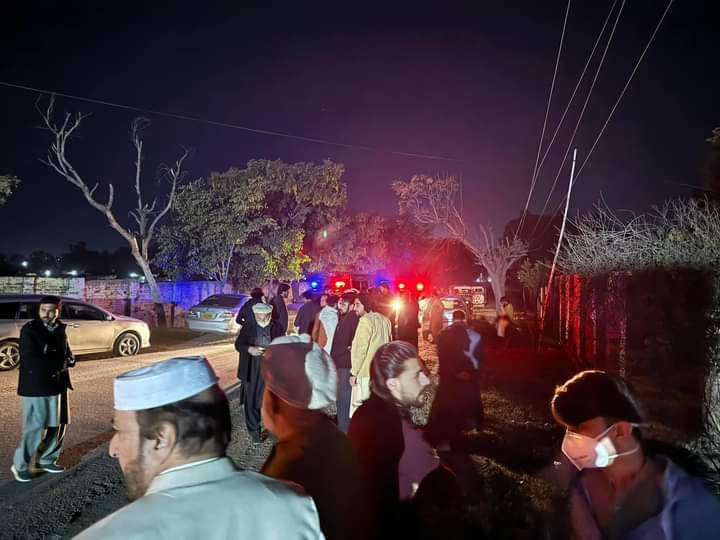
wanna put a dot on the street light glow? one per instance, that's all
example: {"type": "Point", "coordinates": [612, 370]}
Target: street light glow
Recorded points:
{"type": "Point", "coordinates": [73, 273]}
{"type": "Point", "coordinates": [24, 264]}
{"type": "Point", "coordinates": [47, 273]}
{"type": "Point", "coordinates": [133, 275]}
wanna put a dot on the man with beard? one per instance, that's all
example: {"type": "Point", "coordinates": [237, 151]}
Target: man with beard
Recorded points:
{"type": "Point", "coordinates": [43, 383]}
{"type": "Point", "coordinates": [172, 428]}
{"type": "Point", "coordinates": [279, 304]}
{"type": "Point", "coordinates": [255, 335]}
{"type": "Point", "coordinates": [340, 352]}
{"type": "Point", "coordinates": [392, 452]}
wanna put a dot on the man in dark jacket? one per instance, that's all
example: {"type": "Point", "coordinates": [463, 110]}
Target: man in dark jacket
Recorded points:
{"type": "Point", "coordinates": [246, 312]}
{"type": "Point", "coordinates": [458, 404]}
{"type": "Point", "coordinates": [255, 335]}
{"type": "Point", "coordinates": [279, 303]}
{"type": "Point", "coordinates": [392, 454]}
{"type": "Point", "coordinates": [408, 319]}
{"type": "Point", "coordinates": [305, 318]}
{"type": "Point", "coordinates": [43, 383]}
{"type": "Point", "coordinates": [340, 352]}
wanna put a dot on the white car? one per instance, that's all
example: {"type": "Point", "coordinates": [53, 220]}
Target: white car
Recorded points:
{"type": "Point", "coordinates": [90, 329]}
{"type": "Point", "coordinates": [217, 313]}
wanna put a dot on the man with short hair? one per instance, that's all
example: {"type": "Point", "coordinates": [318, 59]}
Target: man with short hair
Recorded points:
{"type": "Point", "coordinates": [392, 452]}
{"type": "Point", "coordinates": [305, 318]}
{"type": "Point", "coordinates": [279, 303]}
{"type": "Point", "coordinates": [43, 383]}
{"type": "Point", "coordinates": [251, 342]}
{"type": "Point", "coordinates": [301, 381]}
{"type": "Point", "coordinates": [172, 428]}
{"type": "Point", "coordinates": [340, 352]}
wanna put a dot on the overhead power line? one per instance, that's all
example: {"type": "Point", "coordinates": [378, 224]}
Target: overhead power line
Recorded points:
{"type": "Point", "coordinates": [617, 101]}
{"type": "Point", "coordinates": [570, 101]}
{"type": "Point", "coordinates": [229, 125]}
{"type": "Point", "coordinates": [547, 113]}
{"type": "Point", "coordinates": [582, 113]}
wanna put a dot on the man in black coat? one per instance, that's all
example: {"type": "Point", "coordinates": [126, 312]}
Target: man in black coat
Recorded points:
{"type": "Point", "coordinates": [256, 296]}
{"type": "Point", "coordinates": [305, 318]}
{"type": "Point", "coordinates": [255, 335]}
{"type": "Point", "coordinates": [340, 352]}
{"type": "Point", "coordinates": [43, 383]}
{"type": "Point", "coordinates": [279, 303]}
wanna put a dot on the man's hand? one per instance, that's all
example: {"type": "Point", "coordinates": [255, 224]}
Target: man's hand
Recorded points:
{"type": "Point", "coordinates": [353, 380]}
{"type": "Point", "coordinates": [256, 351]}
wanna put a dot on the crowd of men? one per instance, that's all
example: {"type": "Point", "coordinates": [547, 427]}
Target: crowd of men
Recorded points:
{"type": "Point", "coordinates": [348, 476]}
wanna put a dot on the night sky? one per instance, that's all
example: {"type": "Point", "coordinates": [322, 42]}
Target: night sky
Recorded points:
{"type": "Point", "coordinates": [468, 82]}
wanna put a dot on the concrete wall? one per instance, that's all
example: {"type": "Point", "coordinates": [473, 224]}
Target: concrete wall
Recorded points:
{"type": "Point", "coordinates": [121, 296]}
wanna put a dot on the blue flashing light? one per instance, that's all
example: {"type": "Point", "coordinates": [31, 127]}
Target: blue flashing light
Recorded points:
{"type": "Point", "coordinates": [314, 285]}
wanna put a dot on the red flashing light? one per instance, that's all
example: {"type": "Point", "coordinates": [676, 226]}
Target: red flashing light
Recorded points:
{"type": "Point", "coordinates": [339, 284]}
{"type": "Point", "coordinates": [401, 286]}
{"type": "Point", "coordinates": [420, 287]}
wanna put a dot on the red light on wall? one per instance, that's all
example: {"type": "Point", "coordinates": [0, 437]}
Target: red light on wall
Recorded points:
{"type": "Point", "coordinates": [339, 284]}
{"type": "Point", "coordinates": [420, 286]}
{"type": "Point", "coordinates": [401, 286]}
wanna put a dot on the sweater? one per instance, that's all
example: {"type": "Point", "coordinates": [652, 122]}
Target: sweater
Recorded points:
{"type": "Point", "coordinates": [373, 330]}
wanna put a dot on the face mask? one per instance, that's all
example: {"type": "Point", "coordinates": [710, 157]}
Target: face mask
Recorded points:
{"type": "Point", "coordinates": [591, 452]}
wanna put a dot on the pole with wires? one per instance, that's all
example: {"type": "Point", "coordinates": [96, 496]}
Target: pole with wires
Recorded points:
{"type": "Point", "coordinates": [546, 302]}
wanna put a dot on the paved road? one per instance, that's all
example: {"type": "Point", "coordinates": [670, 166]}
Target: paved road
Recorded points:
{"type": "Point", "coordinates": [91, 405]}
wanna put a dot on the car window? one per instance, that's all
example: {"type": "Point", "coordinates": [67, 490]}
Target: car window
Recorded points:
{"type": "Point", "coordinates": [8, 310]}
{"type": "Point", "coordinates": [81, 312]}
{"type": "Point", "coordinates": [27, 310]}
{"type": "Point", "coordinates": [222, 301]}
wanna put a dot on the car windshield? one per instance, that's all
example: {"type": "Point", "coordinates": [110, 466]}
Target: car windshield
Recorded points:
{"type": "Point", "coordinates": [451, 303]}
{"type": "Point", "coordinates": [222, 301]}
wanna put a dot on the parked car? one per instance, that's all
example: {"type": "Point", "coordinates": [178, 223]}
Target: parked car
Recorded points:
{"type": "Point", "coordinates": [216, 313]}
{"type": "Point", "coordinates": [90, 329]}
{"type": "Point", "coordinates": [450, 304]}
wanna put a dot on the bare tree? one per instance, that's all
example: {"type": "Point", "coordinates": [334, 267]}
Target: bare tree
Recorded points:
{"type": "Point", "coordinates": [434, 201]}
{"type": "Point", "coordinates": [146, 216]}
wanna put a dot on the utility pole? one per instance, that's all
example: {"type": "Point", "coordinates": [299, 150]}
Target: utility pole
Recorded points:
{"type": "Point", "coordinates": [557, 250]}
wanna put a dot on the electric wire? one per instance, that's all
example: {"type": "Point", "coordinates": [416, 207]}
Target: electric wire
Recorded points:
{"type": "Point", "coordinates": [229, 125]}
{"type": "Point", "coordinates": [582, 113]}
{"type": "Point", "coordinates": [533, 178]}
{"type": "Point", "coordinates": [617, 101]}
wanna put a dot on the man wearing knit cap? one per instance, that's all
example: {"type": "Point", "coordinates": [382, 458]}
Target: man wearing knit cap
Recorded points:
{"type": "Point", "coordinates": [172, 428]}
{"type": "Point", "coordinates": [300, 381]}
{"type": "Point", "coordinates": [255, 335]}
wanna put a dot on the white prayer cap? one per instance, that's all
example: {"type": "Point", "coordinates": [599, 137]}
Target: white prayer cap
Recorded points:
{"type": "Point", "coordinates": [261, 308]}
{"type": "Point", "coordinates": [300, 372]}
{"type": "Point", "coordinates": [162, 383]}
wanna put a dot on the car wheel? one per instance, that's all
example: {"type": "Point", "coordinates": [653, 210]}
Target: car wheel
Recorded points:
{"type": "Point", "coordinates": [127, 344]}
{"type": "Point", "coordinates": [9, 355]}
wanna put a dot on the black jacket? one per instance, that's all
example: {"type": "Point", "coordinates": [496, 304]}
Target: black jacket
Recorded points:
{"type": "Point", "coordinates": [305, 318]}
{"type": "Point", "coordinates": [343, 338]}
{"type": "Point", "coordinates": [45, 357]}
{"type": "Point", "coordinates": [247, 338]}
{"type": "Point", "coordinates": [246, 311]}
{"type": "Point", "coordinates": [280, 313]}
{"type": "Point", "coordinates": [377, 436]}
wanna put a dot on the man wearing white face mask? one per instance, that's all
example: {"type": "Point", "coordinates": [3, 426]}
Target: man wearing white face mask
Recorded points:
{"type": "Point", "coordinates": [622, 491]}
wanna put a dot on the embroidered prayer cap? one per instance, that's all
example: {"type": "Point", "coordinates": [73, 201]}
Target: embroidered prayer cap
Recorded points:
{"type": "Point", "coordinates": [300, 372]}
{"type": "Point", "coordinates": [163, 383]}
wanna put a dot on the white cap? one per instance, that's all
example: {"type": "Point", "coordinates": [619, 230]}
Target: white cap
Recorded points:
{"type": "Point", "coordinates": [260, 308]}
{"type": "Point", "coordinates": [162, 383]}
{"type": "Point", "coordinates": [300, 372]}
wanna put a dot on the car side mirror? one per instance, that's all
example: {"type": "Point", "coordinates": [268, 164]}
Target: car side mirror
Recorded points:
{"type": "Point", "coordinates": [109, 317]}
